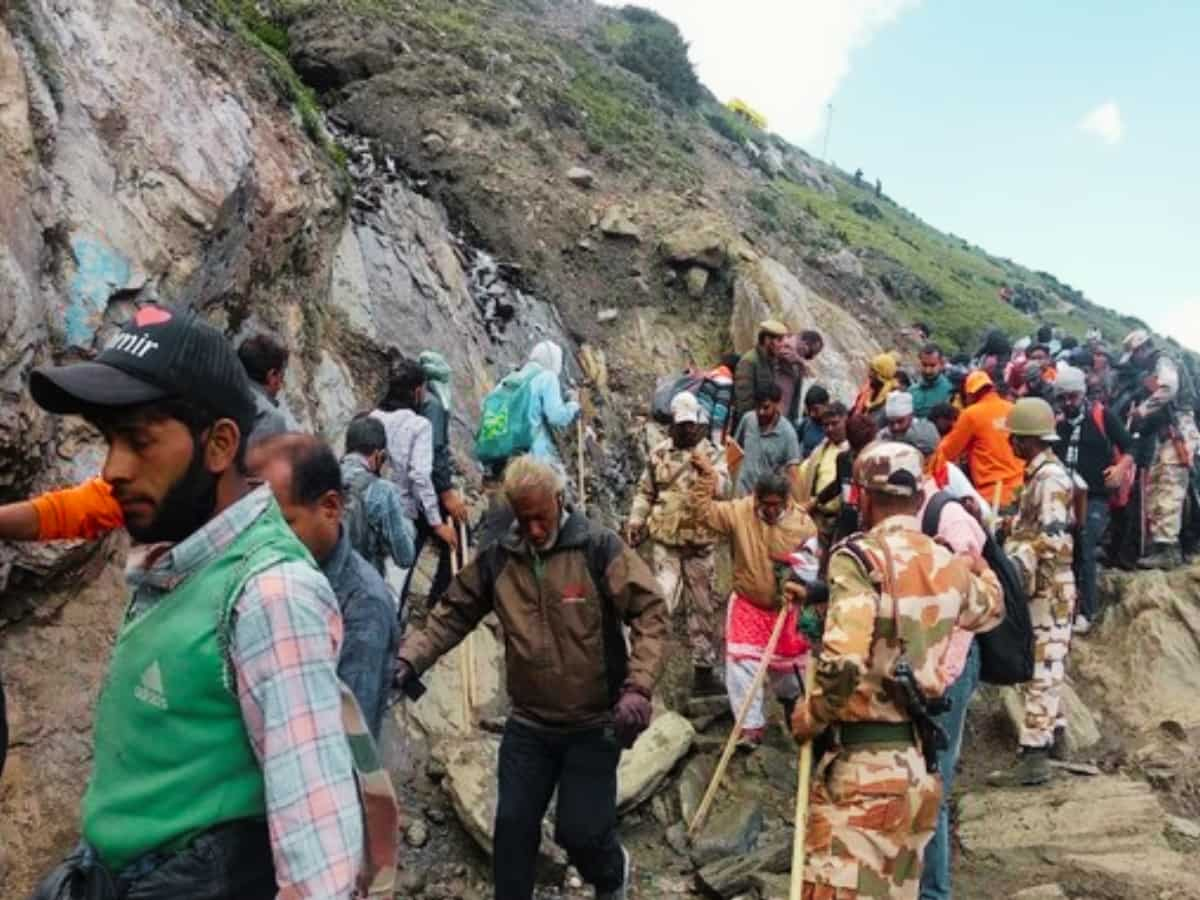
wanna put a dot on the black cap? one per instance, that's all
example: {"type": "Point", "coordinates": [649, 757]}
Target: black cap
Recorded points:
{"type": "Point", "coordinates": [160, 353]}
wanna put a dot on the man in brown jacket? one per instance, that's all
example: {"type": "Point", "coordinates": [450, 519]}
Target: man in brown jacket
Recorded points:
{"type": "Point", "coordinates": [561, 587]}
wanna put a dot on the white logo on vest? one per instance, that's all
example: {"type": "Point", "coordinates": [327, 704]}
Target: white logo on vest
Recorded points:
{"type": "Point", "coordinates": [151, 689]}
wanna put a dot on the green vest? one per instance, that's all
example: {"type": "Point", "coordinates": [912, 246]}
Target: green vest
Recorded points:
{"type": "Point", "coordinates": [172, 758]}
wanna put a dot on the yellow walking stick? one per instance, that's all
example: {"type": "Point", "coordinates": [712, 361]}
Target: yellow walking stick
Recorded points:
{"type": "Point", "coordinates": [582, 440]}
{"type": "Point", "coordinates": [802, 790]}
{"type": "Point", "coordinates": [759, 677]}
{"type": "Point", "coordinates": [466, 660]}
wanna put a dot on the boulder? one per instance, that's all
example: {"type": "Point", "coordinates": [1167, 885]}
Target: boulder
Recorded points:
{"type": "Point", "coordinates": [1042, 892]}
{"type": "Point", "coordinates": [766, 289]}
{"type": "Point", "coordinates": [581, 177]}
{"type": "Point", "coordinates": [734, 875]}
{"type": "Point", "coordinates": [440, 713]}
{"type": "Point", "coordinates": [1144, 658]}
{"type": "Point", "coordinates": [693, 782]}
{"type": "Point", "coordinates": [697, 281]}
{"type": "Point", "coordinates": [471, 766]}
{"type": "Point", "coordinates": [645, 766]}
{"type": "Point", "coordinates": [707, 242]}
{"type": "Point", "coordinates": [731, 830]}
{"type": "Point", "coordinates": [1082, 730]}
{"type": "Point", "coordinates": [330, 52]}
{"type": "Point", "coordinates": [1106, 826]}
{"type": "Point", "coordinates": [617, 222]}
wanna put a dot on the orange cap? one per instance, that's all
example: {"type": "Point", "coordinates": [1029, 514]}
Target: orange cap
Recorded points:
{"type": "Point", "coordinates": [977, 381]}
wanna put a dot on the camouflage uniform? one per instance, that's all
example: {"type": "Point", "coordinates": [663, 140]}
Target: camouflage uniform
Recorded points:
{"type": "Point", "coordinates": [683, 554]}
{"type": "Point", "coordinates": [1169, 475]}
{"type": "Point", "coordinates": [873, 806]}
{"type": "Point", "coordinates": [1041, 543]}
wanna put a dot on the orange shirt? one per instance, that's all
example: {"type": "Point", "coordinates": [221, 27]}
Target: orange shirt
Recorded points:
{"type": "Point", "coordinates": [86, 511]}
{"type": "Point", "coordinates": [981, 433]}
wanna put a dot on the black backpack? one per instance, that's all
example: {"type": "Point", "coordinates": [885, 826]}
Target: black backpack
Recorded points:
{"type": "Point", "coordinates": [1005, 652]}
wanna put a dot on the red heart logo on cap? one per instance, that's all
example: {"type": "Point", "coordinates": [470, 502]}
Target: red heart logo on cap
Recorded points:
{"type": "Point", "coordinates": [151, 315]}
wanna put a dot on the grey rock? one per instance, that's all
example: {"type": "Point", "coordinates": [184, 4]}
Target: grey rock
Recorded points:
{"type": "Point", "coordinates": [417, 834]}
{"type": "Point", "coordinates": [607, 315]}
{"type": "Point", "coordinates": [732, 876]}
{"type": "Point", "coordinates": [731, 830]}
{"type": "Point", "coordinates": [697, 282]}
{"type": "Point", "coordinates": [433, 144]}
{"type": "Point", "coordinates": [1184, 827]}
{"type": "Point", "coordinates": [1042, 892]}
{"type": "Point", "coordinates": [581, 177]}
{"type": "Point", "coordinates": [618, 223]}
{"type": "Point", "coordinates": [693, 782]}
{"type": "Point", "coordinates": [678, 839]}
{"type": "Point", "coordinates": [645, 767]}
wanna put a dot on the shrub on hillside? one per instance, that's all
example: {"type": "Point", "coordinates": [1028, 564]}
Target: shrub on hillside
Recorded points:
{"type": "Point", "coordinates": [657, 51]}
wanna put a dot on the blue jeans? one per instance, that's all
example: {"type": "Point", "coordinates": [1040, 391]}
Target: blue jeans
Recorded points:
{"type": "Point", "coordinates": [1090, 537]}
{"type": "Point", "coordinates": [935, 877]}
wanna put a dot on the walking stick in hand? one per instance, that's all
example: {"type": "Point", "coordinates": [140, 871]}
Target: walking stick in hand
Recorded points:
{"type": "Point", "coordinates": [802, 790]}
{"type": "Point", "coordinates": [466, 656]}
{"type": "Point", "coordinates": [759, 677]}
{"type": "Point", "coordinates": [582, 434]}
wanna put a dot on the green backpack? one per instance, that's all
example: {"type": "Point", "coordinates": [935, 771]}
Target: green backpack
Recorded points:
{"type": "Point", "coordinates": [506, 422]}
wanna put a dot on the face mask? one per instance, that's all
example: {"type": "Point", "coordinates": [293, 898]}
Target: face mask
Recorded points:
{"type": "Point", "coordinates": [186, 508]}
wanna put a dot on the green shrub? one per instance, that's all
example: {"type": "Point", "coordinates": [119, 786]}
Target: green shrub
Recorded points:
{"type": "Point", "coordinates": [657, 51]}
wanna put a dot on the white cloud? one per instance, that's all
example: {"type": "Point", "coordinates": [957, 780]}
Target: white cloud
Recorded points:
{"type": "Point", "coordinates": [1104, 122]}
{"type": "Point", "coordinates": [785, 58]}
{"type": "Point", "coordinates": [1177, 319]}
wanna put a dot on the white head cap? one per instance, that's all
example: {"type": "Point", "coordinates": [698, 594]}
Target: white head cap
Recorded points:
{"type": "Point", "coordinates": [685, 408]}
{"type": "Point", "coordinates": [1070, 380]}
{"type": "Point", "coordinates": [899, 404]}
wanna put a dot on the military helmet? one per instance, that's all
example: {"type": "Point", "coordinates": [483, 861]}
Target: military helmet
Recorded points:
{"type": "Point", "coordinates": [1032, 417]}
{"type": "Point", "coordinates": [889, 467]}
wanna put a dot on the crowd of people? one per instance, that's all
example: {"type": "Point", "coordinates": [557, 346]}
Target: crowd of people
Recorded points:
{"type": "Point", "coordinates": [262, 644]}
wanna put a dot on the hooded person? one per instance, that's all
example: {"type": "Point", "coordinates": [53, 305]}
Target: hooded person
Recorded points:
{"type": "Point", "coordinates": [549, 409]}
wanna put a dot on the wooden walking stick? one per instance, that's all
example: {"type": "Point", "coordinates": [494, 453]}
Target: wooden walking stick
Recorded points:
{"type": "Point", "coordinates": [582, 434]}
{"type": "Point", "coordinates": [465, 660]}
{"type": "Point", "coordinates": [802, 790]}
{"type": "Point", "coordinates": [759, 677]}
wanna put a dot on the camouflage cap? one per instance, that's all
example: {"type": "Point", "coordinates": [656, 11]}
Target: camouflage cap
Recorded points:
{"type": "Point", "coordinates": [890, 467]}
{"type": "Point", "coordinates": [773, 327]}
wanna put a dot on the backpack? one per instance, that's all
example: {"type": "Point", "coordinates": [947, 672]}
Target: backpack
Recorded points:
{"type": "Point", "coordinates": [506, 420]}
{"type": "Point", "coordinates": [668, 387]}
{"type": "Point", "coordinates": [1005, 652]}
{"type": "Point", "coordinates": [354, 514]}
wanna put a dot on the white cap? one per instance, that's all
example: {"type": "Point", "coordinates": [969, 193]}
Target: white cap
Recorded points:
{"type": "Point", "coordinates": [685, 408]}
{"type": "Point", "coordinates": [899, 404]}
{"type": "Point", "coordinates": [1070, 380]}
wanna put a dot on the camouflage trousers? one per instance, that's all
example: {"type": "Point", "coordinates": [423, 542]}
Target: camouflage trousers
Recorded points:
{"type": "Point", "coordinates": [871, 813]}
{"type": "Point", "coordinates": [1168, 485]}
{"type": "Point", "coordinates": [692, 571]}
{"type": "Point", "coordinates": [1052, 615]}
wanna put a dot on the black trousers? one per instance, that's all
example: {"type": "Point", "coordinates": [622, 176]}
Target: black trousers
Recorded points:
{"type": "Point", "coordinates": [441, 578]}
{"type": "Point", "coordinates": [583, 766]}
{"type": "Point", "coordinates": [231, 862]}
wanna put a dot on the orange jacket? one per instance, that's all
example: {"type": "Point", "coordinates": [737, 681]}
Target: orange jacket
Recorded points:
{"type": "Point", "coordinates": [981, 433]}
{"type": "Point", "coordinates": [86, 511]}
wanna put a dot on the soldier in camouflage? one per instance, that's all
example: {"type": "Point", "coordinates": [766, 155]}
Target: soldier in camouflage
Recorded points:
{"type": "Point", "coordinates": [893, 594]}
{"type": "Point", "coordinates": [1167, 412]}
{"type": "Point", "coordinates": [683, 547]}
{"type": "Point", "coordinates": [1041, 543]}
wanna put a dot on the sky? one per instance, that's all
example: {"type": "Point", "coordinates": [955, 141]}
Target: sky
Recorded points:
{"type": "Point", "coordinates": [1056, 134]}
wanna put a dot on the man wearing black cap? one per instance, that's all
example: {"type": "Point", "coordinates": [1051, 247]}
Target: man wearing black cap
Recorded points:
{"type": "Point", "coordinates": [228, 652]}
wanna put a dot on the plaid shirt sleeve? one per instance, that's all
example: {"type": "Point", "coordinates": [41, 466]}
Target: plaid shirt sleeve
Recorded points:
{"type": "Point", "coordinates": [284, 652]}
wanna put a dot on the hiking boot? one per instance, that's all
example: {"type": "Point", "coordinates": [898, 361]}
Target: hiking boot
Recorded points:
{"type": "Point", "coordinates": [1032, 768]}
{"type": "Point", "coordinates": [1165, 556]}
{"type": "Point", "coordinates": [705, 683]}
{"type": "Point", "coordinates": [751, 739]}
{"type": "Point", "coordinates": [621, 893]}
{"type": "Point", "coordinates": [1058, 749]}
{"type": "Point", "coordinates": [1082, 625]}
